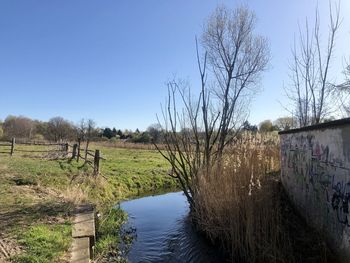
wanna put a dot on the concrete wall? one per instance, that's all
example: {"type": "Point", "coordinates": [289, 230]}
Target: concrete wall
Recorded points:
{"type": "Point", "coordinates": [315, 171]}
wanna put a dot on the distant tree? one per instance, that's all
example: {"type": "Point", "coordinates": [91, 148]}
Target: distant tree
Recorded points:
{"type": "Point", "coordinates": [60, 129]}
{"type": "Point", "coordinates": [1, 132]}
{"type": "Point", "coordinates": [114, 131]}
{"type": "Point", "coordinates": [143, 137]}
{"type": "Point", "coordinates": [248, 127]}
{"type": "Point", "coordinates": [98, 132]}
{"type": "Point", "coordinates": [267, 126]}
{"type": "Point", "coordinates": [346, 87]}
{"type": "Point", "coordinates": [120, 134]}
{"type": "Point", "coordinates": [113, 139]}
{"type": "Point", "coordinates": [286, 123]}
{"type": "Point", "coordinates": [19, 127]}
{"type": "Point", "coordinates": [347, 76]}
{"type": "Point", "coordinates": [42, 129]}
{"type": "Point", "coordinates": [87, 131]}
{"type": "Point", "coordinates": [81, 130]}
{"type": "Point", "coordinates": [127, 134]}
{"type": "Point", "coordinates": [310, 91]}
{"type": "Point", "coordinates": [343, 90]}
{"type": "Point", "coordinates": [108, 133]}
{"type": "Point", "coordinates": [331, 118]}
{"type": "Point", "coordinates": [346, 72]}
{"type": "Point", "coordinates": [38, 137]}
{"type": "Point", "coordinates": [155, 131]}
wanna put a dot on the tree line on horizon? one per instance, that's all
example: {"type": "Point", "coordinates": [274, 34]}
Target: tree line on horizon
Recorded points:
{"type": "Point", "coordinates": [60, 129]}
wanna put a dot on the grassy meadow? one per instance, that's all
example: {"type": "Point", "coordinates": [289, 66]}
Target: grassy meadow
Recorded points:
{"type": "Point", "coordinates": [38, 196]}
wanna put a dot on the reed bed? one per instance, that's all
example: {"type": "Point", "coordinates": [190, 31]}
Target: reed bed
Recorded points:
{"type": "Point", "coordinates": [241, 204]}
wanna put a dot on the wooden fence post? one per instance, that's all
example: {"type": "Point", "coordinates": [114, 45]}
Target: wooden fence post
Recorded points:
{"type": "Point", "coordinates": [66, 148]}
{"type": "Point", "coordinates": [74, 152]}
{"type": "Point", "coordinates": [97, 162]}
{"type": "Point", "coordinates": [86, 149]}
{"type": "Point", "coordinates": [78, 156]}
{"type": "Point", "coordinates": [13, 145]}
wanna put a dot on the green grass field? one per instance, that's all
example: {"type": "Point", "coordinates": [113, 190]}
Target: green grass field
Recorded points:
{"type": "Point", "coordinates": [38, 195]}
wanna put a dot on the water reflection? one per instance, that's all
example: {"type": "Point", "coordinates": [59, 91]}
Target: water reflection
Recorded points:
{"type": "Point", "coordinates": [164, 233]}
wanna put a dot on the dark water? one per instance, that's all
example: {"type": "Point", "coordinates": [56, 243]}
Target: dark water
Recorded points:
{"type": "Point", "coordinates": [164, 233]}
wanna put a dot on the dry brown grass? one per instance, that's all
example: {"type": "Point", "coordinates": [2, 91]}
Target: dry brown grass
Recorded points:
{"type": "Point", "coordinates": [236, 206]}
{"type": "Point", "coordinates": [129, 145]}
{"type": "Point", "coordinates": [241, 204]}
{"type": "Point", "coordinates": [86, 189]}
{"type": "Point", "coordinates": [75, 195]}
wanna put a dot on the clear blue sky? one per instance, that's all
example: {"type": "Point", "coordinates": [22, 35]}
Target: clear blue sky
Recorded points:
{"type": "Point", "coordinates": [109, 60]}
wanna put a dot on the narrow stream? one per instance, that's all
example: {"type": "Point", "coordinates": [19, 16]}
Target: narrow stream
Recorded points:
{"type": "Point", "coordinates": [164, 233]}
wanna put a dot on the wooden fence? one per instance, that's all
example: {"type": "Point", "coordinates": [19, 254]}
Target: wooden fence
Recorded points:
{"type": "Point", "coordinates": [62, 150]}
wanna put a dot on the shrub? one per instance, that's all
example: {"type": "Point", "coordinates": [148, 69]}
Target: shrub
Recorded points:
{"type": "Point", "coordinates": [38, 137]}
{"type": "Point", "coordinates": [113, 139]}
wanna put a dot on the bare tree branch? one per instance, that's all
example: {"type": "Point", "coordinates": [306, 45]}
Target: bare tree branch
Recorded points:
{"type": "Point", "coordinates": [310, 91]}
{"type": "Point", "coordinates": [197, 129]}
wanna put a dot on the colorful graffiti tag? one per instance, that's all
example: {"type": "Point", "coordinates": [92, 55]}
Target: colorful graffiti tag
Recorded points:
{"type": "Point", "coordinates": [317, 169]}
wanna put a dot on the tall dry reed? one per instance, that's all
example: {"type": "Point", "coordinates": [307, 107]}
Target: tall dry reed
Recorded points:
{"type": "Point", "coordinates": [237, 203]}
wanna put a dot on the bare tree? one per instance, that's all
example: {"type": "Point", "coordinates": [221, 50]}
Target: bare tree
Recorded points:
{"type": "Point", "coordinates": [86, 132]}
{"type": "Point", "coordinates": [59, 129]}
{"type": "Point", "coordinates": [266, 126]}
{"type": "Point", "coordinates": [310, 91]}
{"type": "Point", "coordinates": [342, 91]}
{"type": "Point", "coordinates": [236, 58]}
{"type": "Point", "coordinates": [20, 127]}
{"type": "Point", "coordinates": [347, 76]}
{"type": "Point", "coordinates": [346, 89]}
{"type": "Point", "coordinates": [229, 69]}
{"type": "Point", "coordinates": [286, 123]}
{"type": "Point", "coordinates": [155, 131]}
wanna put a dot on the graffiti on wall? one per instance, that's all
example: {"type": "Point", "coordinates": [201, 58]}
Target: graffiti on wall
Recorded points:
{"type": "Point", "coordinates": [320, 173]}
{"type": "Point", "coordinates": [340, 201]}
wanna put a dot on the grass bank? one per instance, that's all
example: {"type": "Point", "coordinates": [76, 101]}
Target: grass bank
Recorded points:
{"type": "Point", "coordinates": [38, 195]}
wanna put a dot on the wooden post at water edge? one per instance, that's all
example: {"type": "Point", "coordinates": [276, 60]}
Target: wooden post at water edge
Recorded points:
{"type": "Point", "coordinates": [78, 155]}
{"type": "Point", "coordinates": [13, 141]}
{"type": "Point", "coordinates": [74, 152]}
{"type": "Point", "coordinates": [97, 162]}
{"type": "Point", "coordinates": [66, 148]}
